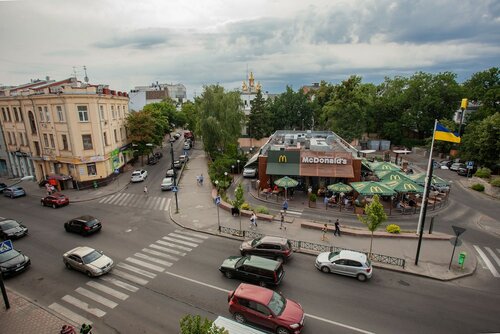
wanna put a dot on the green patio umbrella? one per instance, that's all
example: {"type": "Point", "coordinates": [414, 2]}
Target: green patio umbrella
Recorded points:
{"type": "Point", "coordinates": [404, 186]}
{"type": "Point", "coordinates": [340, 188]}
{"type": "Point", "coordinates": [371, 188]}
{"type": "Point", "coordinates": [286, 182]}
{"type": "Point", "coordinates": [384, 166]}
{"type": "Point", "coordinates": [436, 180]}
{"type": "Point", "coordinates": [389, 175]}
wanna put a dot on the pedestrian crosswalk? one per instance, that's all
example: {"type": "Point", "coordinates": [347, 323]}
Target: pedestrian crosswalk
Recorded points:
{"type": "Point", "coordinates": [100, 295]}
{"type": "Point", "coordinates": [137, 201]}
{"type": "Point", "coordinates": [487, 255]}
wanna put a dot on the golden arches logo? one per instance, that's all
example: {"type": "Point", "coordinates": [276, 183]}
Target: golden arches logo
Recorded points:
{"type": "Point", "coordinates": [409, 186]}
{"type": "Point", "coordinates": [375, 189]}
{"type": "Point", "coordinates": [282, 158]}
{"type": "Point", "coordinates": [395, 177]}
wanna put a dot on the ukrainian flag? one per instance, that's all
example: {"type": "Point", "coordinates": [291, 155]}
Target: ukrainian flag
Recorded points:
{"type": "Point", "coordinates": [442, 133]}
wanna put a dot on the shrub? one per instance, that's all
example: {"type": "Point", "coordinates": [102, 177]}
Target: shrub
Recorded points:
{"type": "Point", "coordinates": [246, 206]}
{"type": "Point", "coordinates": [393, 228]}
{"type": "Point", "coordinates": [495, 182]}
{"type": "Point", "coordinates": [262, 209]}
{"type": "Point", "coordinates": [477, 187]}
{"type": "Point", "coordinates": [483, 173]}
{"type": "Point", "coordinates": [313, 197]}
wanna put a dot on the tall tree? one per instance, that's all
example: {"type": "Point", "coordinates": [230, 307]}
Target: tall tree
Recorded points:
{"type": "Point", "coordinates": [375, 217]}
{"type": "Point", "coordinates": [259, 121]}
{"type": "Point", "coordinates": [142, 130]}
{"type": "Point", "coordinates": [483, 88]}
{"type": "Point", "coordinates": [291, 110]}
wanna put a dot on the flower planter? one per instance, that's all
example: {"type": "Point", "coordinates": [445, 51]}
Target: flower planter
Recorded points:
{"type": "Point", "coordinates": [359, 210]}
{"type": "Point", "coordinates": [312, 204]}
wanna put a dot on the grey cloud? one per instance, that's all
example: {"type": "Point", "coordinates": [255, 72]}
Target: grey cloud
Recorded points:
{"type": "Point", "coordinates": [141, 39]}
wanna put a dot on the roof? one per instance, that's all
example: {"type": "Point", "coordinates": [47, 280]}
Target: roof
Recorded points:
{"type": "Point", "coordinates": [262, 262]}
{"type": "Point", "coordinates": [85, 218]}
{"type": "Point", "coordinates": [352, 255]}
{"type": "Point", "coordinates": [81, 251]}
{"type": "Point", "coordinates": [253, 292]}
{"type": "Point", "coordinates": [275, 240]}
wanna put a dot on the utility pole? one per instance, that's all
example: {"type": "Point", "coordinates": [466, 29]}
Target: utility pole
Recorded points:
{"type": "Point", "coordinates": [175, 175]}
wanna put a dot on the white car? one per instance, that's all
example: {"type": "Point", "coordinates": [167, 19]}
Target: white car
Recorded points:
{"type": "Point", "coordinates": [345, 262]}
{"type": "Point", "coordinates": [184, 158]}
{"type": "Point", "coordinates": [139, 175]}
{"type": "Point", "coordinates": [170, 173]}
{"type": "Point", "coordinates": [167, 183]}
{"type": "Point", "coordinates": [88, 260]}
{"type": "Point", "coordinates": [249, 172]}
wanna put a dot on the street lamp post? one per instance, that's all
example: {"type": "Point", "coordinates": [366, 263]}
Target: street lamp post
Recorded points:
{"type": "Point", "coordinates": [217, 203]}
{"type": "Point", "coordinates": [238, 165]}
{"type": "Point", "coordinates": [225, 178]}
{"type": "Point", "coordinates": [175, 175]}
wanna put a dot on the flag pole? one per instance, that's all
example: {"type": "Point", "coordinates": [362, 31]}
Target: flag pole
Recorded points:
{"type": "Point", "coordinates": [423, 208]}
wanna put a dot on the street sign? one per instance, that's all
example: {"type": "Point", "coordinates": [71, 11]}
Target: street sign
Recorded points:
{"type": "Point", "coordinates": [217, 200]}
{"type": "Point", "coordinates": [470, 164]}
{"type": "Point", "coordinates": [175, 189]}
{"type": "Point", "coordinates": [117, 171]}
{"type": "Point", "coordinates": [456, 241]}
{"type": "Point", "coordinates": [6, 246]}
{"type": "Point", "coordinates": [458, 230]}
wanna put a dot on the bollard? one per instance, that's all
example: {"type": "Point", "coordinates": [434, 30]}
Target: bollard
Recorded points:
{"type": "Point", "coordinates": [95, 184]}
{"type": "Point", "coordinates": [431, 225]}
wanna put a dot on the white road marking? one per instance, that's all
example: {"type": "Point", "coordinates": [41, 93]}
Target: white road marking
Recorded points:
{"type": "Point", "coordinates": [129, 277]}
{"type": "Point", "coordinates": [98, 298]}
{"type": "Point", "coordinates": [153, 259]}
{"type": "Point", "coordinates": [136, 270]}
{"type": "Point", "coordinates": [166, 256]}
{"type": "Point", "coordinates": [145, 264]}
{"type": "Point", "coordinates": [168, 204]}
{"type": "Point", "coordinates": [162, 203]}
{"type": "Point", "coordinates": [185, 238]}
{"type": "Point", "coordinates": [493, 255]}
{"type": "Point", "coordinates": [116, 199]}
{"type": "Point", "coordinates": [487, 261]}
{"type": "Point", "coordinates": [338, 324]}
{"type": "Point", "coordinates": [297, 213]}
{"type": "Point", "coordinates": [84, 306]}
{"type": "Point", "coordinates": [76, 318]}
{"type": "Point", "coordinates": [133, 201]}
{"type": "Point", "coordinates": [107, 199]}
{"type": "Point", "coordinates": [190, 244]}
{"type": "Point", "coordinates": [193, 234]}
{"type": "Point", "coordinates": [168, 250]}
{"type": "Point", "coordinates": [161, 242]}
{"type": "Point", "coordinates": [308, 315]}
{"type": "Point", "coordinates": [109, 291]}
{"type": "Point", "coordinates": [125, 200]}
{"type": "Point", "coordinates": [119, 283]}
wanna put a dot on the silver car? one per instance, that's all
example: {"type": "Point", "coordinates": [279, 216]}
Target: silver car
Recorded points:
{"type": "Point", "coordinates": [14, 192]}
{"type": "Point", "coordinates": [345, 262]}
{"type": "Point", "coordinates": [139, 175]}
{"type": "Point", "coordinates": [167, 183]}
{"type": "Point", "coordinates": [88, 260]}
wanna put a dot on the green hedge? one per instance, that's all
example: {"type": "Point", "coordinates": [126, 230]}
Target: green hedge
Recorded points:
{"type": "Point", "coordinates": [393, 228]}
{"type": "Point", "coordinates": [495, 182]}
{"type": "Point", "coordinates": [478, 187]}
{"type": "Point", "coordinates": [484, 173]}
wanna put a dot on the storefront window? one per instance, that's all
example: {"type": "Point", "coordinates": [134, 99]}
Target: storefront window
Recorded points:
{"type": "Point", "coordinates": [91, 169]}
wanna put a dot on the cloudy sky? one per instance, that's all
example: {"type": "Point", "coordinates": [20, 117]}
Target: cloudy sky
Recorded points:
{"type": "Point", "coordinates": [284, 42]}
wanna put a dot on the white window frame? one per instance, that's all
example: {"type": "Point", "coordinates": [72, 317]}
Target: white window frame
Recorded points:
{"type": "Point", "coordinates": [40, 113]}
{"type": "Point", "coordinates": [83, 113]}
{"type": "Point", "coordinates": [60, 113]}
{"type": "Point", "coordinates": [91, 143]}
{"type": "Point", "coordinates": [47, 113]}
{"type": "Point", "coordinates": [91, 169]}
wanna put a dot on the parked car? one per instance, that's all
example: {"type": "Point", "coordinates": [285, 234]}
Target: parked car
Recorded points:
{"type": "Point", "coordinates": [139, 175]}
{"type": "Point", "coordinates": [13, 262]}
{"type": "Point", "coordinates": [12, 229]}
{"type": "Point", "coordinates": [152, 160]}
{"type": "Point", "coordinates": [345, 262]}
{"type": "Point", "coordinates": [14, 192]}
{"type": "Point", "coordinates": [167, 183]}
{"type": "Point", "coordinates": [170, 173]}
{"type": "Point", "coordinates": [2, 187]}
{"type": "Point", "coordinates": [455, 166]}
{"type": "Point", "coordinates": [266, 308]}
{"type": "Point", "coordinates": [158, 155]}
{"type": "Point", "coordinates": [446, 163]}
{"type": "Point", "coordinates": [249, 172]}
{"type": "Point", "coordinates": [184, 158]}
{"type": "Point", "coordinates": [84, 225]}
{"type": "Point", "coordinates": [55, 200]}
{"type": "Point", "coordinates": [464, 171]}
{"type": "Point", "coordinates": [255, 269]}
{"type": "Point", "coordinates": [177, 164]}
{"type": "Point", "coordinates": [276, 248]}
{"type": "Point", "coordinates": [88, 260]}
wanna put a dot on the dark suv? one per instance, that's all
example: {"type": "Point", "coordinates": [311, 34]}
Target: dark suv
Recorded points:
{"type": "Point", "coordinates": [279, 249]}
{"type": "Point", "coordinates": [254, 269]}
{"type": "Point", "coordinates": [83, 225]}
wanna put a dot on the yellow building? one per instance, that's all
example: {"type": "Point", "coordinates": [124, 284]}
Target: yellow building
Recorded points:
{"type": "Point", "coordinates": [67, 130]}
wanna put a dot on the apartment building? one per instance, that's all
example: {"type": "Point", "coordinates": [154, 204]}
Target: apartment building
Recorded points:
{"type": "Point", "coordinates": [66, 130]}
{"type": "Point", "coordinates": [143, 95]}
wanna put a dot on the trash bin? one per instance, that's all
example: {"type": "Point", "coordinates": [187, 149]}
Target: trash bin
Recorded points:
{"type": "Point", "coordinates": [461, 259]}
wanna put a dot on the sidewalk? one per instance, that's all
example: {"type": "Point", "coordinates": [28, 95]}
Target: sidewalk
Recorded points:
{"type": "Point", "coordinates": [198, 211]}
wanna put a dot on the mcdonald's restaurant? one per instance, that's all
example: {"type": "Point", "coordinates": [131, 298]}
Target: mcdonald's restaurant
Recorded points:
{"type": "Point", "coordinates": [315, 162]}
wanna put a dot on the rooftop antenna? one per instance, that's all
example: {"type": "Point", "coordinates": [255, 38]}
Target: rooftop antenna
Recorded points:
{"type": "Point", "coordinates": [74, 72]}
{"type": "Point", "coordinates": [86, 79]}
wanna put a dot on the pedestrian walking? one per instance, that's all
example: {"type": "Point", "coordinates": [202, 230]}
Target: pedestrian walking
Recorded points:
{"type": "Point", "coordinates": [201, 179]}
{"type": "Point", "coordinates": [146, 191]}
{"type": "Point", "coordinates": [337, 228]}
{"type": "Point", "coordinates": [253, 220]}
{"type": "Point", "coordinates": [282, 220]}
{"type": "Point", "coordinates": [325, 231]}
{"type": "Point", "coordinates": [67, 329]}
{"type": "Point", "coordinates": [85, 329]}
{"type": "Point", "coordinates": [285, 205]}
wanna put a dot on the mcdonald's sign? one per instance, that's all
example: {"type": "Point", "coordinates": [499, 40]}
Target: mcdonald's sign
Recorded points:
{"type": "Point", "coordinates": [409, 186]}
{"type": "Point", "coordinates": [282, 159]}
{"type": "Point", "coordinates": [375, 189]}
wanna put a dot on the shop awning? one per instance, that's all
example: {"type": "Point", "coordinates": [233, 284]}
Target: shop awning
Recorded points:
{"type": "Point", "coordinates": [283, 169]}
{"type": "Point", "coordinates": [340, 171]}
{"type": "Point", "coordinates": [253, 161]}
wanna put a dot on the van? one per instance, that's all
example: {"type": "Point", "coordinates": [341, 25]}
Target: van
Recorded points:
{"type": "Point", "coordinates": [254, 269]}
{"type": "Point", "coordinates": [232, 327]}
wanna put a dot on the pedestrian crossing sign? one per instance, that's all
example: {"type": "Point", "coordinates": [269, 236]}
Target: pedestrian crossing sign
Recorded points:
{"type": "Point", "coordinates": [175, 189]}
{"type": "Point", "coordinates": [6, 246]}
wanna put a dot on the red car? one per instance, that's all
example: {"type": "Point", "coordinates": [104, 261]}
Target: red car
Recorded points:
{"type": "Point", "coordinates": [55, 200]}
{"type": "Point", "coordinates": [266, 308]}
